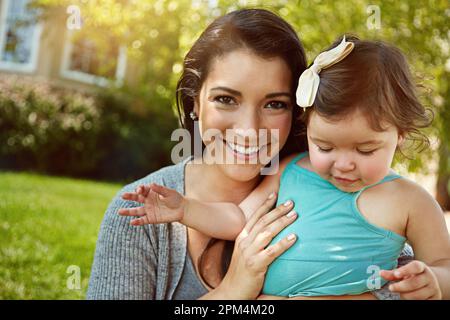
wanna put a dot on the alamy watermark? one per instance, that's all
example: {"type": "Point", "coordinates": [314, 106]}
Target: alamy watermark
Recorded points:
{"type": "Point", "coordinates": [74, 19]}
{"type": "Point", "coordinates": [74, 280]}
{"type": "Point", "coordinates": [374, 20]}
{"type": "Point", "coordinates": [374, 280]}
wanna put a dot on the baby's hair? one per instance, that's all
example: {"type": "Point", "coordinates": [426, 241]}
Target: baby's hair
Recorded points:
{"type": "Point", "coordinates": [374, 78]}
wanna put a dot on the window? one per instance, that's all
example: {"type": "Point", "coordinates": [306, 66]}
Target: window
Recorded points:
{"type": "Point", "coordinates": [19, 36]}
{"type": "Point", "coordinates": [86, 61]}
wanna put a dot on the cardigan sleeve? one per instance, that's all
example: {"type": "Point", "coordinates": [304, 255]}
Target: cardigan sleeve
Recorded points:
{"type": "Point", "coordinates": [125, 259]}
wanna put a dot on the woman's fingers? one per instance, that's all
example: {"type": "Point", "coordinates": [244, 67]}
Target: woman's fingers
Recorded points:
{"type": "Point", "coordinates": [264, 237]}
{"type": "Point", "coordinates": [266, 206]}
{"type": "Point", "coordinates": [268, 219]}
{"type": "Point", "coordinates": [134, 212]}
{"type": "Point", "coordinates": [254, 247]}
{"type": "Point", "coordinates": [268, 255]}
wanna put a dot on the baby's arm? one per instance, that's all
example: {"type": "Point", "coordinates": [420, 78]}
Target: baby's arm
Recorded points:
{"type": "Point", "coordinates": [220, 220]}
{"type": "Point", "coordinates": [228, 219]}
{"type": "Point", "coordinates": [268, 187]}
{"type": "Point", "coordinates": [162, 205]}
{"type": "Point", "coordinates": [426, 231]}
{"type": "Point", "coordinates": [225, 220]}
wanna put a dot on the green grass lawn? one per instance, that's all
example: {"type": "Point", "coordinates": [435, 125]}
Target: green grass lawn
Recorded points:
{"type": "Point", "coordinates": [48, 224]}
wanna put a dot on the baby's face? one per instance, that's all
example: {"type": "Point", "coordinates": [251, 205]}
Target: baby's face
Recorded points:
{"type": "Point", "coordinates": [349, 153]}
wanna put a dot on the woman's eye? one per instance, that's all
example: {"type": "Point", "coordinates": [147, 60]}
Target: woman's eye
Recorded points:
{"type": "Point", "coordinates": [324, 149]}
{"type": "Point", "coordinates": [277, 105]}
{"type": "Point", "coordinates": [366, 153]}
{"type": "Point", "coordinates": [224, 100]}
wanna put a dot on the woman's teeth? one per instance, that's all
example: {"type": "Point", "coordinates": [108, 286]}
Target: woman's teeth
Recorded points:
{"type": "Point", "coordinates": [243, 150]}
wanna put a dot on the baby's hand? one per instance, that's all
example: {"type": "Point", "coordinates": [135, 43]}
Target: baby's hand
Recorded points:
{"type": "Point", "coordinates": [416, 281]}
{"type": "Point", "coordinates": [161, 205]}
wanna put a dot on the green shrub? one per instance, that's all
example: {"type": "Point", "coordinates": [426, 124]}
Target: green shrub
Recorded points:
{"type": "Point", "coordinates": [64, 132]}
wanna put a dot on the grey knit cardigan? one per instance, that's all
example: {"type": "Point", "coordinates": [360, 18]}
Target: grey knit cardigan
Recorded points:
{"type": "Point", "coordinates": [143, 262]}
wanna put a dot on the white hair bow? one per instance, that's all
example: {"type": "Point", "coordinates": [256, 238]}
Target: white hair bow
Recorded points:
{"type": "Point", "coordinates": [308, 84]}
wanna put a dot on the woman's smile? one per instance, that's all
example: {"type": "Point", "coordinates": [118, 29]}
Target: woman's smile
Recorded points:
{"type": "Point", "coordinates": [248, 152]}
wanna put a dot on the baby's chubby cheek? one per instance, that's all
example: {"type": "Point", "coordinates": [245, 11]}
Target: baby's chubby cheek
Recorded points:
{"type": "Point", "coordinates": [373, 171]}
{"type": "Point", "coordinates": [320, 163]}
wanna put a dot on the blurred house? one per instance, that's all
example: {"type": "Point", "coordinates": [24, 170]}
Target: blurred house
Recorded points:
{"type": "Point", "coordinates": [46, 49]}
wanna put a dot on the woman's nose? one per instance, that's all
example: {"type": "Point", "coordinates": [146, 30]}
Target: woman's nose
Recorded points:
{"type": "Point", "coordinates": [248, 124]}
{"type": "Point", "coordinates": [249, 119]}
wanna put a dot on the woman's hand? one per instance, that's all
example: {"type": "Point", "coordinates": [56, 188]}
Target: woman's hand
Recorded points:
{"type": "Point", "coordinates": [252, 255]}
{"type": "Point", "coordinates": [161, 205]}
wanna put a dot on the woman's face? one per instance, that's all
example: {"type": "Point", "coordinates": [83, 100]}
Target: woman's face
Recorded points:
{"type": "Point", "coordinates": [242, 95]}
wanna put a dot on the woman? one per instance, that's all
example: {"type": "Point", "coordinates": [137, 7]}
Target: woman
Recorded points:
{"type": "Point", "coordinates": [240, 74]}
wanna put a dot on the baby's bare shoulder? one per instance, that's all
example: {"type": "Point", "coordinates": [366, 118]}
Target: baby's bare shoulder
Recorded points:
{"type": "Point", "coordinates": [388, 204]}
{"type": "Point", "coordinates": [402, 196]}
{"type": "Point", "coordinates": [406, 191]}
{"type": "Point", "coordinates": [394, 192]}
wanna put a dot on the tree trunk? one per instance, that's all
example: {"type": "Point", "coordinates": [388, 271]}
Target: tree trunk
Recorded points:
{"type": "Point", "coordinates": [442, 187]}
{"type": "Point", "coordinates": [442, 196]}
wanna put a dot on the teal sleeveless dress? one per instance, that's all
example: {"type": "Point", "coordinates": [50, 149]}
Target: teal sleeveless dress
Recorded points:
{"type": "Point", "coordinates": [337, 252]}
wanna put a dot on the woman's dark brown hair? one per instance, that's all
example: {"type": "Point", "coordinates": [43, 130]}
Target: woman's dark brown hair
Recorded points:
{"type": "Point", "coordinates": [374, 78]}
{"type": "Point", "coordinates": [266, 35]}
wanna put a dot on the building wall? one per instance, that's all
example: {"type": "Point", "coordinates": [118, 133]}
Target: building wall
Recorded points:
{"type": "Point", "coordinates": [50, 55]}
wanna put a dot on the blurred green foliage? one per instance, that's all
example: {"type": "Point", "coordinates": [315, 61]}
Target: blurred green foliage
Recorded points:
{"type": "Point", "coordinates": [44, 129]}
{"type": "Point", "coordinates": [158, 33]}
{"type": "Point", "coordinates": [68, 133]}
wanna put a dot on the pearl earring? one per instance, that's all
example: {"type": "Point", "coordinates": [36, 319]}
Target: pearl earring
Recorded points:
{"type": "Point", "coordinates": [193, 115]}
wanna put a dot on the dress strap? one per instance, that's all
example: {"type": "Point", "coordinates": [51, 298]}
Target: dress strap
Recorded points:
{"type": "Point", "coordinates": [389, 177]}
